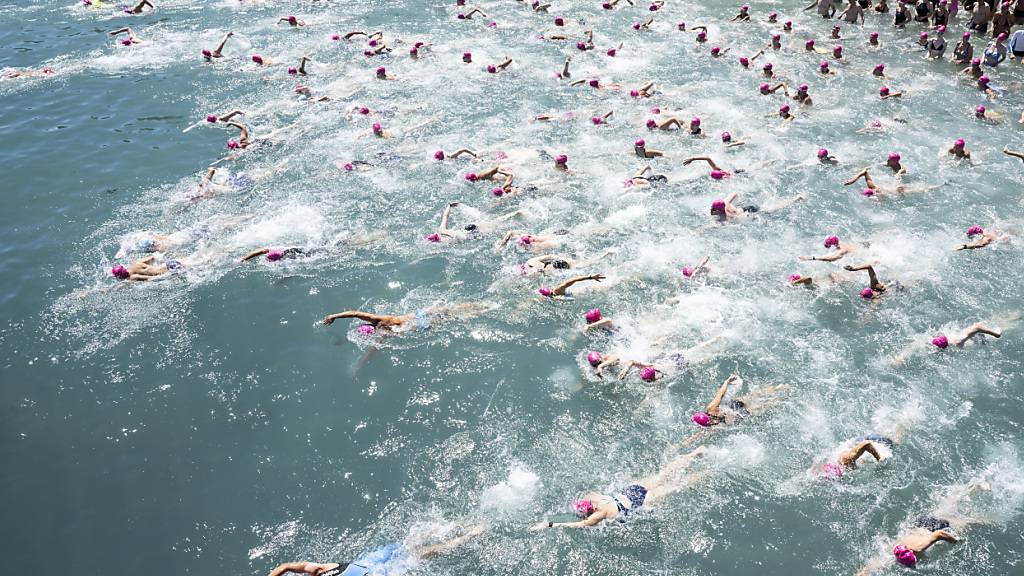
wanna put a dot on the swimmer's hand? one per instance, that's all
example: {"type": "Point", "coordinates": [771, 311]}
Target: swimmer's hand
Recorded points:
{"type": "Point", "coordinates": [328, 320]}
{"type": "Point", "coordinates": [540, 526]}
{"type": "Point", "coordinates": [597, 277]}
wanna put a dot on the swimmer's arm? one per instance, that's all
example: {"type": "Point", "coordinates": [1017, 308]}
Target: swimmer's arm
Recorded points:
{"type": "Point", "coordinates": [504, 240]}
{"type": "Point", "coordinates": [758, 55]}
{"type": "Point", "coordinates": [826, 258]}
{"type": "Point", "coordinates": [297, 567]}
{"type": "Point", "coordinates": [604, 323]}
{"type": "Point", "coordinates": [943, 535]}
{"type": "Point", "coordinates": [712, 407]}
{"type": "Point", "coordinates": [561, 288]}
{"type": "Point", "coordinates": [462, 151]}
{"type": "Point", "coordinates": [254, 254]}
{"type": "Point", "coordinates": [704, 28]}
{"type": "Point", "coordinates": [812, 5]}
{"type": "Point", "coordinates": [710, 162]}
{"type": "Point", "coordinates": [629, 366]}
{"type": "Point", "coordinates": [349, 35]}
{"type": "Point", "coordinates": [444, 217]}
{"type": "Point", "coordinates": [121, 31]}
{"type": "Point", "coordinates": [364, 316]}
{"type": "Point", "coordinates": [592, 520]}
{"type": "Point", "coordinates": [605, 362]}
{"type": "Point", "coordinates": [231, 115]}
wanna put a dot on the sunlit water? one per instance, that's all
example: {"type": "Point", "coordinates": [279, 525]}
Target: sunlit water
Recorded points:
{"type": "Point", "coordinates": [208, 423]}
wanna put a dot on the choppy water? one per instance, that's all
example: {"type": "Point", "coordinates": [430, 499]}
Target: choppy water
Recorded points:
{"type": "Point", "coordinates": [207, 422]}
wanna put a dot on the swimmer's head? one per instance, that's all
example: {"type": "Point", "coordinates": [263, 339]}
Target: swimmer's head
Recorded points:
{"type": "Point", "coordinates": [433, 237]}
{"type": "Point", "coordinates": [525, 240]}
{"type": "Point", "coordinates": [470, 228]}
{"type": "Point", "coordinates": [232, 144]}
{"type": "Point", "coordinates": [467, 56]}
{"type": "Point", "coordinates": [984, 80]}
{"type": "Point", "coordinates": [611, 52]}
{"type": "Point", "coordinates": [559, 21]}
{"type": "Point", "coordinates": [544, 291]}
{"type": "Point", "coordinates": [883, 91]}
{"type": "Point", "coordinates": [701, 419]}
{"type": "Point", "coordinates": [794, 277]}
{"type": "Point", "coordinates": [681, 26]}
{"type": "Point", "coordinates": [784, 110]}
{"type": "Point", "coordinates": [648, 374]}
{"type": "Point", "coordinates": [377, 128]}
{"type": "Point", "coordinates": [940, 341]}
{"type": "Point", "coordinates": [211, 118]}
{"type": "Point", "coordinates": [583, 508]}
{"type": "Point", "coordinates": [492, 69]}
{"type": "Point", "coordinates": [976, 62]}
{"type": "Point", "coordinates": [924, 35]}
{"type": "Point", "coordinates": [594, 358]}
{"type": "Point", "coordinates": [822, 153]}
{"type": "Point", "coordinates": [717, 174]}
{"type": "Point", "coordinates": [1001, 37]}
{"type": "Point", "coordinates": [776, 37]}
{"type": "Point", "coordinates": [581, 45]}
{"type": "Point", "coordinates": [894, 158]}
{"type": "Point", "coordinates": [293, 70]}
{"type": "Point", "coordinates": [257, 58]}
{"type": "Point", "coordinates": [823, 65]}
{"type": "Point", "coordinates": [439, 155]}
{"type": "Point", "coordinates": [726, 137]}
{"type": "Point", "coordinates": [832, 241]}
{"type": "Point", "coordinates": [414, 51]}
{"type": "Point", "coordinates": [837, 51]}
{"type": "Point", "coordinates": [715, 50]}
{"type": "Point", "coordinates": [560, 264]}
{"type": "Point", "coordinates": [694, 122]}
{"type": "Point", "coordinates": [772, 16]}
{"type": "Point", "coordinates": [718, 207]}
{"type": "Point", "coordinates": [831, 471]}
{"type": "Point", "coordinates": [594, 83]}
{"type": "Point", "coordinates": [146, 245]}
{"type": "Point", "coordinates": [768, 67]}
{"type": "Point", "coordinates": [651, 123]}
{"type": "Point", "coordinates": [293, 20]}
{"type": "Point", "coordinates": [366, 329]}
{"type": "Point", "coordinates": [873, 36]}
{"type": "Point", "coordinates": [959, 144]}
{"type": "Point", "coordinates": [764, 88]}
{"type": "Point", "coordinates": [802, 89]}
{"type": "Point", "coordinates": [207, 54]}
{"type": "Point", "coordinates": [974, 231]}
{"type": "Point", "coordinates": [687, 271]}
{"type": "Point", "coordinates": [497, 191]}
{"type": "Point", "coordinates": [381, 72]}
{"type": "Point", "coordinates": [275, 255]}
{"type": "Point", "coordinates": [561, 160]}
{"type": "Point", "coordinates": [471, 177]}
{"type": "Point", "coordinates": [702, 36]}
{"type": "Point", "coordinates": [979, 111]}
{"type": "Point", "coordinates": [335, 37]}
{"type": "Point", "coordinates": [640, 144]}
{"type": "Point", "coordinates": [867, 293]}
{"type": "Point", "coordinates": [868, 193]}
{"type": "Point", "coordinates": [744, 61]}
{"type": "Point", "coordinates": [904, 555]}
{"type": "Point", "coordinates": [593, 315]}
{"type": "Point", "coordinates": [879, 68]}
{"type": "Point", "coordinates": [940, 30]}
{"type": "Point", "coordinates": [634, 93]}
{"type": "Point", "coordinates": [809, 45]}
{"type": "Point", "coordinates": [744, 9]}
{"type": "Point", "coordinates": [967, 35]}
{"type": "Point", "coordinates": [787, 25]}
{"type": "Point", "coordinates": [120, 272]}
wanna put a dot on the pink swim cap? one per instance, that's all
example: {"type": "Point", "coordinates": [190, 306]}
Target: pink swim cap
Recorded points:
{"type": "Point", "coordinates": [257, 58]}
{"type": "Point", "coordinates": [681, 26]}
{"type": "Point", "coordinates": [695, 121]}
{"type": "Point", "coordinates": [594, 358]}
{"type": "Point", "coordinates": [773, 14]}
{"type": "Point", "coordinates": [594, 83]}
{"type": "Point", "coordinates": [593, 315]}
{"type": "Point", "coordinates": [894, 156]}
{"type": "Point", "coordinates": [784, 109]}
{"type": "Point", "coordinates": [959, 143]}
{"type": "Point", "coordinates": [640, 143]}
{"type": "Point", "coordinates": [1001, 37]}
{"type": "Point", "coordinates": [904, 555]}
{"type": "Point", "coordinates": [974, 231]}
{"type": "Point", "coordinates": [293, 20]}
{"type": "Point", "coordinates": [767, 67]}
{"type": "Point", "coordinates": [636, 25]}
{"type": "Point", "coordinates": [381, 71]}
{"type": "Point", "coordinates": [867, 293]}
{"type": "Point", "coordinates": [702, 35]}
{"type": "Point", "coordinates": [879, 67]}
{"type": "Point", "coordinates": [787, 24]}
{"type": "Point", "coordinates": [809, 44]}
{"type": "Point", "coordinates": [701, 419]}
{"type": "Point", "coordinates": [232, 144]}
{"type": "Point", "coordinates": [525, 240]}
{"type": "Point", "coordinates": [439, 155]}
{"type": "Point", "coordinates": [651, 123]}
{"type": "Point", "coordinates": [967, 35]}
{"type": "Point", "coordinates": [595, 120]}
{"type": "Point", "coordinates": [976, 62]}
{"type": "Point", "coordinates": [606, 6]}
{"type": "Point", "coordinates": [611, 52]}
{"type": "Point", "coordinates": [275, 255]}
{"type": "Point", "coordinates": [983, 80]}
{"type": "Point", "coordinates": [883, 91]}
{"type": "Point", "coordinates": [874, 35]}
{"type": "Point", "coordinates": [366, 329]}
{"type": "Point", "coordinates": [940, 341]}
{"type": "Point", "coordinates": [583, 508]}
{"type": "Point", "coordinates": [471, 176]}
{"type": "Point", "coordinates": [561, 159]}
{"type": "Point", "coordinates": [207, 53]}
{"type": "Point", "coordinates": [634, 93]}
{"type": "Point", "coordinates": [348, 167]}
{"type": "Point", "coordinates": [433, 237]}
{"type": "Point", "coordinates": [764, 88]}
{"type": "Point", "coordinates": [794, 277]}
{"type": "Point", "coordinates": [868, 193]}
{"type": "Point", "coordinates": [293, 70]}
{"type": "Point", "coordinates": [544, 291]}
{"type": "Point", "coordinates": [126, 42]}
{"type": "Point", "coordinates": [832, 241]}
{"type": "Point", "coordinates": [832, 471]}
{"type": "Point", "coordinates": [498, 191]}
{"type": "Point", "coordinates": [491, 68]}
{"type": "Point", "coordinates": [980, 110]}
{"type": "Point", "coordinates": [941, 30]}
{"type": "Point", "coordinates": [335, 36]}
{"type": "Point", "coordinates": [120, 272]}
{"type": "Point", "coordinates": [924, 35]}
{"type": "Point", "coordinates": [776, 36]}
{"type": "Point", "coordinates": [559, 21]}
{"type": "Point", "coordinates": [726, 137]}
{"type": "Point", "coordinates": [376, 127]}
{"type": "Point", "coordinates": [581, 45]}
{"type": "Point", "coordinates": [687, 271]}
{"type": "Point", "coordinates": [648, 374]}
{"type": "Point", "coordinates": [461, 16]}
{"type": "Point", "coordinates": [822, 153]}
{"type": "Point", "coordinates": [717, 174]}
{"type": "Point", "coordinates": [715, 50]}
{"type": "Point", "coordinates": [211, 118]}
{"type": "Point", "coordinates": [837, 49]}
{"type": "Point", "coordinates": [744, 61]}
{"type": "Point", "coordinates": [414, 51]}
{"type": "Point", "coordinates": [802, 88]}
{"type": "Point", "coordinates": [467, 56]}
{"type": "Point", "coordinates": [823, 64]}
{"type": "Point", "coordinates": [718, 207]}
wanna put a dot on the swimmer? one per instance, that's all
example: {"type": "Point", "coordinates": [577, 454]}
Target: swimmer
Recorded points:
{"type": "Point", "coordinates": [996, 51]}
{"type": "Point", "coordinates": [826, 8]}
{"type": "Point", "coordinates": [640, 149]}
{"type": "Point", "coordinates": [875, 189]}
{"type": "Point", "coordinates": [937, 45]}
{"type": "Point", "coordinates": [901, 15]}
{"type": "Point", "coordinates": [292, 21]}
{"type": "Point", "coordinates": [944, 523]}
{"type": "Point", "coordinates": [274, 255]}
{"type": "Point", "coordinates": [768, 70]}
{"type": "Point", "coordinates": [852, 13]}
{"type": "Point", "coordinates": [1017, 45]}
{"type": "Point", "coordinates": [963, 52]}
{"type": "Point", "coordinates": [11, 73]}
{"type": "Point", "coordinates": [725, 210]}
{"type": "Point", "coordinates": [669, 365]}
{"type": "Point", "coordinates": [744, 14]}
{"type": "Point", "coordinates": [469, 15]}
{"type": "Point", "coordinates": [737, 409]}
{"type": "Point", "coordinates": [601, 361]}
{"type": "Point", "coordinates": [1003, 21]}
{"type": "Point", "coordinates": [823, 68]}
{"type": "Point", "coordinates": [441, 155]}
{"type": "Point", "coordinates": [243, 141]}
{"type": "Point", "coordinates": [131, 39]}
{"type": "Point", "coordinates": [469, 230]}
{"type": "Point", "coordinates": [886, 93]}
{"type": "Point", "coordinates": [923, 11]}
{"type": "Point", "coordinates": [942, 341]}
{"type": "Point", "coordinates": [542, 264]}
{"type": "Point", "coordinates": [646, 177]}
{"type": "Point", "coordinates": [984, 238]}
{"type": "Point", "coordinates": [802, 96]}
{"type": "Point", "coordinates": [974, 70]}
{"type": "Point", "coordinates": [145, 269]}
{"type": "Point", "coordinates": [420, 320]}
{"type": "Point", "coordinates": [940, 15]}
{"type": "Point", "coordinates": [532, 242]}
{"type": "Point", "coordinates": [596, 320]}
{"type": "Point", "coordinates": [839, 253]}
{"type": "Point", "coordinates": [784, 113]}
{"type": "Point", "coordinates": [765, 89]}
{"type": "Point", "coordinates": [369, 36]}
{"type": "Point", "coordinates": [561, 291]}
{"type": "Point", "coordinates": [665, 124]}
{"type": "Point", "coordinates": [985, 86]}
{"type": "Point", "coordinates": [729, 142]}
{"type": "Point", "coordinates": [717, 173]}
{"type": "Point", "coordinates": [846, 460]}
{"type": "Point", "coordinates": [873, 40]}
{"type": "Point", "coordinates": [881, 7]}
{"type": "Point", "coordinates": [495, 173]}
{"type": "Point", "coordinates": [390, 559]}
{"type": "Point", "coordinates": [495, 68]}
{"type": "Point", "coordinates": [565, 68]}
{"type": "Point", "coordinates": [835, 32]}
{"type": "Point", "coordinates": [596, 83]}
{"type": "Point", "coordinates": [301, 70]}
{"type": "Point", "coordinates": [959, 150]}
{"type": "Point", "coordinates": [137, 9]}
{"type": "Point", "coordinates": [1007, 151]}
{"type": "Point", "coordinates": [594, 507]}
{"type": "Point", "coordinates": [875, 287]}
{"type": "Point", "coordinates": [717, 52]}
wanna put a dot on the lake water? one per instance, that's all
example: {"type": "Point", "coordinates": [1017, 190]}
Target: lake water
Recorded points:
{"type": "Point", "coordinates": [208, 422]}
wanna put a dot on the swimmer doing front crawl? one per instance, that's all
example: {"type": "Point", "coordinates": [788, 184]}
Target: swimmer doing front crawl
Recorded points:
{"type": "Point", "coordinates": [594, 507]}
{"type": "Point", "coordinates": [422, 319]}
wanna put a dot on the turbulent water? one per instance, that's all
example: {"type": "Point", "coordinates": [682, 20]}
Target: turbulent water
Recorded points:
{"type": "Point", "coordinates": [208, 421]}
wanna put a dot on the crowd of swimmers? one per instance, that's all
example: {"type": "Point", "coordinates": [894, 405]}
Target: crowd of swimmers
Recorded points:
{"type": "Point", "coordinates": [980, 18]}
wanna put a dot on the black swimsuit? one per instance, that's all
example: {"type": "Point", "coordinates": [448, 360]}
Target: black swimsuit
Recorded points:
{"type": "Point", "coordinates": [931, 523]}
{"type": "Point", "coordinates": [335, 571]}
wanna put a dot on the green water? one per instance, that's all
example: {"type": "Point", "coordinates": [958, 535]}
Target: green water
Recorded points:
{"type": "Point", "coordinates": [207, 422]}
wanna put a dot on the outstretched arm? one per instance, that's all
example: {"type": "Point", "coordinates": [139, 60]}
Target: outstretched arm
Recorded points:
{"type": "Point", "coordinates": [607, 361]}
{"type": "Point", "coordinates": [712, 407]}
{"type": "Point", "coordinates": [122, 31]}
{"type": "Point", "coordinates": [1013, 153]}
{"type": "Point", "coordinates": [220, 47]}
{"type": "Point", "coordinates": [592, 520]}
{"type": "Point", "coordinates": [374, 319]}
{"type": "Point", "coordinates": [561, 288]}
{"type": "Point", "coordinates": [230, 115]}
{"type": "Point", "coordinates": [979, 243]}
{"type": "Point", "coordinates": [976, 329]}
{"type": "Point", "coordinates": [462, 151]}
{"type": "Point", "coordinates": [702, 159]}
{"type": "Point", "coordinates": [298, 568]}
{"type": "Point", "coordinates": [254, 254]}
{"type": "Point", "coordinates": [872, 277]}
{"type": "Point", "coordinates": [444, 217]}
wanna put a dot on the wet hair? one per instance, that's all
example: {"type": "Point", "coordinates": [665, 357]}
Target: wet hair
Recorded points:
{"type": "Point", "coordinates": [470, 228]}
{"type": "Point", "coordinates": [560, 264]}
